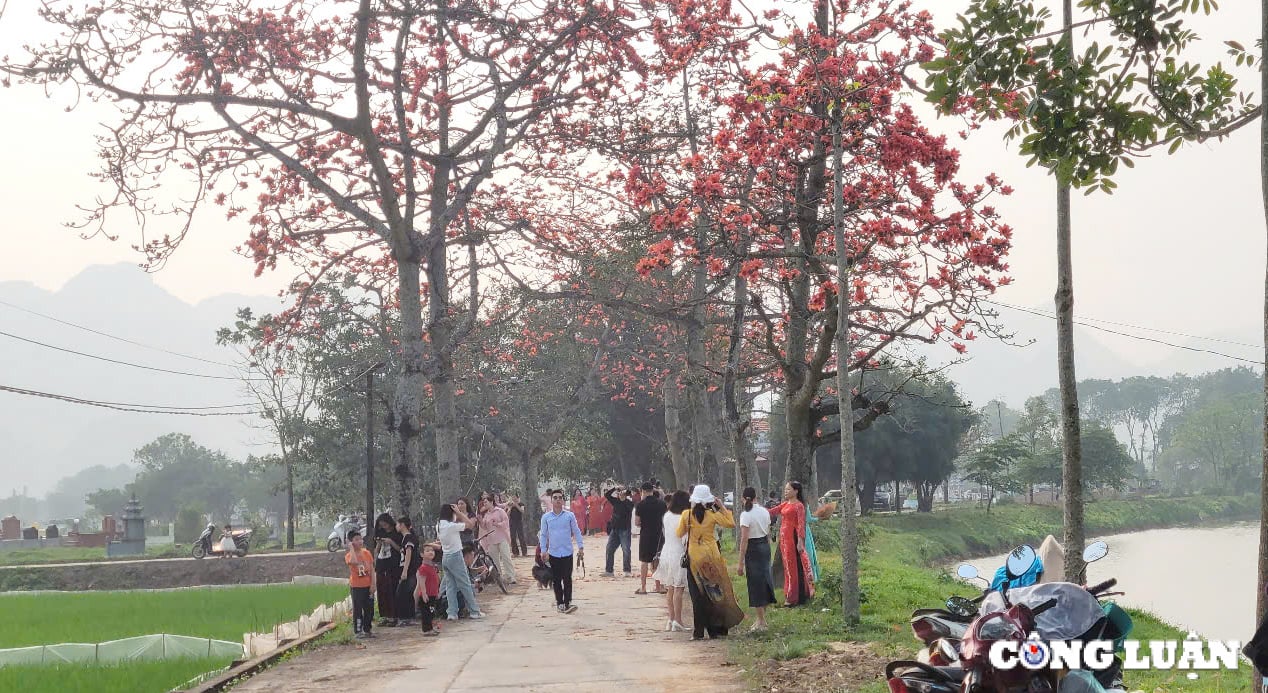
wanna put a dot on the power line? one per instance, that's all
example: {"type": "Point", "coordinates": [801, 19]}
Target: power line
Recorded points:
{"type": "Point", "coordinates": [1141, 327]}
{"type": "Point", "coordinates": [125, 363]}
{"type": "Point", "coordinates": [242, 408]}
{"type": "Point", "coordinates": [115, 337]}
{"type": "Point", "coordinates": [1133, 336]}
{"type": "Point", "coordinates": [142, 408]}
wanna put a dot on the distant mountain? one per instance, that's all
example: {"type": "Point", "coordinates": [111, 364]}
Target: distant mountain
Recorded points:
{"type": "Point", "coordinates": [42, 440]}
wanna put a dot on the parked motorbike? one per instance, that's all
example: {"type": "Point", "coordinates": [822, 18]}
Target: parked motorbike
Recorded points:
{"type": "Point", "coordinates": [958, 638]}
{"type": "Point", "coordinates": [204, 546]}
{"type": "Point", "coordinates": [338, 538]}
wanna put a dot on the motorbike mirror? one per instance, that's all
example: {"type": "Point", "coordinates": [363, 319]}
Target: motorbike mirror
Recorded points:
{"type": "Point", "coordinates": [1021, 560]}
{"type": "Point", "coordinates": [1095, 552]}
{"type": "Point", "coordinates": [948, 651]}
{"type": "Point", "coordinates": [966, 571]}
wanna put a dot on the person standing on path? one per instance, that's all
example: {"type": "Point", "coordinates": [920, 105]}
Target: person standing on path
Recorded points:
{"type": "Point", "coordinates": [671, 572]}
{"type": "Point", "coordinates": [798, 577]}
{"type": "Point", "coordinates": [495, 533]}
{"type": "Point", "coordinates": [427, 593]}
{"type": "Point", "coordinates": [619, 530]}
{"type": "Point", "coordinates": [559, 528]}
{"type": "Point", "coordinates": [457, 579]}
{"type": "Point", "coordinates": [713, 604]}
{"type": "Point", "coordinates": [411, 558]}
{"type": "Point", "coordinates": [755, 556]}
{"type": "Point", "coordinates": [519, 542]}
{"type": "Point", "coordinates": [387, 566]}
{"type": "Point", "coordinates": [361, 577]}
{"type": "Point", "coordinates": [648, 516]}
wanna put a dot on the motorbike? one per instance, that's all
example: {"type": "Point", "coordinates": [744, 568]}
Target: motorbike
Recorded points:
{"type": "Point", "coordinates": [338, 538]}
{"type": "Point", "coordinates": [958, 638]}
{"type": "Point", "coordinates": [204, 546]}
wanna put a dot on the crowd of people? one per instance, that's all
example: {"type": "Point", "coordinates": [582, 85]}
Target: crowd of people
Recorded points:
{"type": "Point", "coordinates": [679, 550]}
{"type": "Point", "coordinates": [680, 543]}
{"type": "Point", "coordinates": [416, 583]}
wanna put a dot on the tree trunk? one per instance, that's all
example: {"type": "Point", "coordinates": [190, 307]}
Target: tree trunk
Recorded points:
{"type": "Point", "coordinates": [674, 435]}
{"type": "Point", "coordinates": [1261, 594]}
{"type": "Point", "coordinates": [946, 492]}
{"type": "Point", "coordinates": [866, 494]}
{"type": "Point", "coordinates": [408, 402]}
{"type": "Point", "coordinates": [444, 401]}
{"type": "Point", "coordinates": [850, 601]}
{"type": "Point", "coordinates": [531, 498]}
{"type": "Point", "coordinates": [800, 445]}
{"type": "Point", "coordinates": [290, 503]}
{"type": "Point", "coordinates": [1072, 457]}
{"type": "Point", "coordinates": [898, 502]}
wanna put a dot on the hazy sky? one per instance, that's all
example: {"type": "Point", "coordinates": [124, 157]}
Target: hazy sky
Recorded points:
{"type": "Point", "coordinates": [1180, 247]}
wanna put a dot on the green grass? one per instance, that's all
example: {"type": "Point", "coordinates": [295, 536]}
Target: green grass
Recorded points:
{"type": "Point", "coordinates": [896, 577]}
{"type": "Point", "coordinates": [133, 677]}
{"type": "Point", "coordinates": [59, 554]}
{"type": "Point", "coordinates": [89, 617]}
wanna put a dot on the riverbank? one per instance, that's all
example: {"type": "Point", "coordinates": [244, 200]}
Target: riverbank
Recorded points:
{"type": "Point", "coordinates": [899, 573]}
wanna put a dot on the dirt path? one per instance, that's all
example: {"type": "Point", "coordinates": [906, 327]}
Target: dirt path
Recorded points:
{"type": "Point", "coordinates": [615, 638]}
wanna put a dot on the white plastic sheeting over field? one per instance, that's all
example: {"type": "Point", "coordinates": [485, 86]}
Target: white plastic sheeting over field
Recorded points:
{"type": "Point", "coordinates": [162, 646]}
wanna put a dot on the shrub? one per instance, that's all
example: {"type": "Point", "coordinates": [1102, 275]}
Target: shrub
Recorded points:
{"type": "Point", "coordinates": [189, 524]}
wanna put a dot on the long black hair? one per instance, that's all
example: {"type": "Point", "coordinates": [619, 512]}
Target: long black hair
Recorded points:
{"type": "Point", "coordinates": [749, 495]}
{"type": "Point", "coordinates": [797, 487]}
{"type": "Point", "coordinates": [446, 512]}
{"type": "Point", "coordinates": [679, 501]}
{"type": "Point", "coordinates": [385, 517]}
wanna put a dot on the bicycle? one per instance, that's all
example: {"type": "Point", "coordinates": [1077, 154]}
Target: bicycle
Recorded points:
{"type": "Point", "coordinates": [484, 569]}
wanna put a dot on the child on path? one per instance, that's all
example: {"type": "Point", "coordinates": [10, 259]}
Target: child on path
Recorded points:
{"type": "Point", "coordinates": [427, 594]}
{"type": "Point", "coordinates": [361, 584]}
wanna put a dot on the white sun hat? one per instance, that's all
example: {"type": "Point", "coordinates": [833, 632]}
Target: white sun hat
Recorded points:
{"type": "Point", "coordinates": [701, 494]}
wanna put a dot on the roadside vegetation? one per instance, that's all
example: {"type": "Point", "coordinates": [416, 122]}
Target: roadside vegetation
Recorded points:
{"type": "Point", "coordinates": [900, 571]}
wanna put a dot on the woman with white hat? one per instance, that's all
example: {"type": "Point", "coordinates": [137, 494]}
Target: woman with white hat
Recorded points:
{"type": "Point", "coordinates": [712, 597]}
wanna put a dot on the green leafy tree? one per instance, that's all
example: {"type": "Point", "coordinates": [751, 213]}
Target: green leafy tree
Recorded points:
{"type": "Point", "coordinates": [177, 472]}
{"type": "Point", "coordinates": [1081, 115]}
{"type": "Point", "coordinates": [994, 466]}
{"type": "Point", "coordinates": [107, 501]}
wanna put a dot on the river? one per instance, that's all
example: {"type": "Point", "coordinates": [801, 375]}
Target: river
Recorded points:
{"type": "Point", "coordinates": [1200, 579]}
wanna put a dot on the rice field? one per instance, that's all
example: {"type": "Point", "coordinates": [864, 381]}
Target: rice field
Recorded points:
{"type": "Point", "coordinates": [132, 677]}
{"type": "Point", "coordinates": [90, 617]}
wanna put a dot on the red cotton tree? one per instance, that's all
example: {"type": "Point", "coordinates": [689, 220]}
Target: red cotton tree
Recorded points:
{"type": "Point", "coordinates": [347, 133]}
{"type": "Point", "coordinates": [922, 248]}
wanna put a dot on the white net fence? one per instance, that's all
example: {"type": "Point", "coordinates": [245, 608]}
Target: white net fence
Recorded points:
{"type": "Point", "coordinates": [141, 647]}
{"type": "Point", "coordinates": [168, 646]}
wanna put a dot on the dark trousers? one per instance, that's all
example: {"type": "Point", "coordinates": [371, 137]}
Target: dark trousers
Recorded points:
{"type": "Point", "coordinates": [362, 609]}
{"type": "Point", "coordinates": [619, 537]}
{"type": "Point", "coordinates": [388, 579]}
{"type": "Point", "coordinates": [519, 545]}
{"type": "Point", "coordinates": [700, 615]}
{"type": "Point", "coordinates": [561, 578]}
{"type": "Point", "coordinates": [425, 611]}
{"type": "Point", "coordinates": [404, 605]}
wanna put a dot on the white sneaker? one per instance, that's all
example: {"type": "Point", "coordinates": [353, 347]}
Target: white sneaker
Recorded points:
{"type": "Point", "coordinates": [476, 617]}
{"type": "Point", "coordinates": [451, 618]}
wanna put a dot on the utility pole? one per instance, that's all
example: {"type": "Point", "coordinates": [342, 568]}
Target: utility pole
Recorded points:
{"type": "Point", "coordinates": [369, 446]}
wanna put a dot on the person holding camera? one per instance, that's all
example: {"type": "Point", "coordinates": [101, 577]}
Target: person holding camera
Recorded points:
{"type": "Point", "coordinates": [713, 602]}
{"type": "Point", "coordinates": [619, 529]}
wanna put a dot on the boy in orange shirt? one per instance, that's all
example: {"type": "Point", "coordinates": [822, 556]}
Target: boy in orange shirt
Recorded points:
{"type": "Point", "coordinates": [361, 584]}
